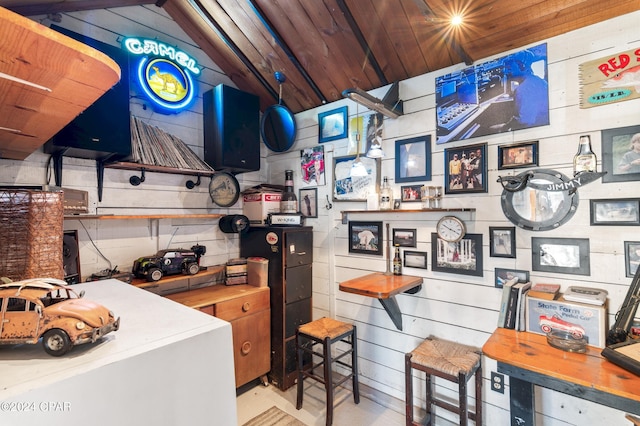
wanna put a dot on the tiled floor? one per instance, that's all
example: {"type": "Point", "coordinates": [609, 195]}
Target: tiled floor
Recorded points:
{"type": "Point", "coordinates": [345, 413]}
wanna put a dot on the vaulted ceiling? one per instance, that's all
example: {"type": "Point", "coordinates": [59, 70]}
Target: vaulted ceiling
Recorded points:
{"type": "Point", "coordinates": [326, 46]}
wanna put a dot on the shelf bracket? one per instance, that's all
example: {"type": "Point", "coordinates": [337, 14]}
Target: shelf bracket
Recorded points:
{"type": "Point", "coordinates": [390, 305]}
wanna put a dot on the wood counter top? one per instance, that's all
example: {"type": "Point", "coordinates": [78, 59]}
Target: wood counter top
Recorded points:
{"type": "Point", "coordinates": [379, 285]}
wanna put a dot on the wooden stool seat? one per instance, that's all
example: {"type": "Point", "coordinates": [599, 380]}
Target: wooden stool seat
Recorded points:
{"type": "Point", "coordinates": [451, 361]}
{"type": "Point", "coordinates": [327, 332]}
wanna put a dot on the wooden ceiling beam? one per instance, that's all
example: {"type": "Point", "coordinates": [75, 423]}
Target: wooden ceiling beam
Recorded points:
{"type": "Point", "coordinates": [50, 7]}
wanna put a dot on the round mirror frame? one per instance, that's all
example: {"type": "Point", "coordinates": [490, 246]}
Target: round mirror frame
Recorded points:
{"type": "Point", "coordinates": [537, 209]}
{"type": "Point", "coordinates": [278, 128]}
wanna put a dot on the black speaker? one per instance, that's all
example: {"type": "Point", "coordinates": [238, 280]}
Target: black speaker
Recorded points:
{"type": "Point", "coordinates": [102, 131]}
{"type": "Point", "coordinates": [231, 130]}
{"type": "Point", "coordinates": [71, 257]}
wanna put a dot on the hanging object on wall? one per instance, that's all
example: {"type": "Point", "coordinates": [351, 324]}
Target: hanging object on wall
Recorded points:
{"type": "Point", "coordinates": [278, 125]}
{"type": "Point", "coordinates": [234, 224]}
{"type": "Point", "coordinates": [611, 79]}
{"type": "Point", "coordinates": [164, 73]}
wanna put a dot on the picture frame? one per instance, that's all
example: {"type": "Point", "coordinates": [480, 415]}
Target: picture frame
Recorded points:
{"type": "Point", "coordinates": [355, 188]}
{"type": "Point", "coordinates": [561, 255]}
{"type": "Point", "coordinates": [463, 257]}
{"type": "Point", "coordinates": [415, 259]}
{"type": "Point", "coordinates": [411, 193]}
{"type": "Point", "coordinates": [413, 159]}
{"type": "Point", "coordinates": [397, 204]}
{"type": "Point", "coordinates": [366, 237]}
{"type": "Point", "coordinates": [615, 144]}
{"type": "Point", "coordinates": [312, 166]}
{"type": "Point", "coordinates": [519, 155]}
{"type": "Point", "coordinates": [631, 258]}
{"type": "Point", "coordinates": [472, 177]}
{"type": "Point", "coordinates": [502, 241]}
{"type": "Point", "coordinates": [619, 212]}
{"type": "Point", "coordinates": [308, 200]}
{"type": "Point", "coordinates": [333, 125]}
{"type": "Point", "coordinates": [503, 275]}
{"type": "Point", "coordinates": [404, 237]}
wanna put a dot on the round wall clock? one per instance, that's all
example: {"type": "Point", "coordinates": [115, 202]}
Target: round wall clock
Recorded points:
{"type": "Point", "coordinates": [224, 189]}
{"type": "Point", "coordinates": [451, 229]}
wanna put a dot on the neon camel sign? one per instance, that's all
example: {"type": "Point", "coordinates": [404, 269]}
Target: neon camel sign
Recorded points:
{"type": "Point", "coordinates": [164, 73]}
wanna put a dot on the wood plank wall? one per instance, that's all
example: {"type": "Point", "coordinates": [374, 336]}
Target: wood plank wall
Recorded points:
{"type": "Point", "coordinates": [455, 307]}
{"type": "Point", "coordinates": [459, 307]}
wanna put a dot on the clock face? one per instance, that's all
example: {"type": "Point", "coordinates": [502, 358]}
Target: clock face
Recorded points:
{"type": "Point", "coordinates": [451, 229]}
{"type": "Point", "coordinates": [224, 189]}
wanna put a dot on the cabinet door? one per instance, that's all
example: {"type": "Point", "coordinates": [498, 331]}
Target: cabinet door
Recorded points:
{"type": "Point", "coordinates": [296, 313]}
{"type": "Point", "coordinates": [297, 283]}
{"type": "Point", "coordinates": [251, 346]}
{"type": "Point", "coordinates": [298, 248]}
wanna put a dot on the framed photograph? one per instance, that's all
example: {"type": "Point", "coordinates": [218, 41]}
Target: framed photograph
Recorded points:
{"type": "Point", "coordinates": [368, 128]}
{"type": "Point", "coordinates": [465, 169]}
{"type": "Point", "coordinates": [312, 166]}
{"type": "Point", "coordinates": [518, 155]}
{"type": "Point", "coordinates": [621, 154]}
{"type": "Point", "coordinates": [365, 237]}
{"type": "Point", "coordinates": [615, 211]}
{"type": "Point", "coordinates": [415, 259]}
{"type": "Point", "coordinates": [308, 199]}
{"type": "Point", "coordinates": [463, 257]}
{"type": "Point", "coordinates": [561, 255]}
{"type": "Point", "coordinates": [504, 275]}
{"type": "Point", "coordinates": [404, 237]}
{"type": "Point", "coordinates": [355, 188]}
{"type": "Point", "coordinates": [502, 241]}
{"type": "Point", "coordinates": [411, 193]}
{"type": "Point", "coordinates": [631, 257]}
{"type": "Point", "coordinates": [397, 204]}
{"type": "Point", "coordinates": [333, 125]}
{"type": "Point", "coordinates": [413, 159]}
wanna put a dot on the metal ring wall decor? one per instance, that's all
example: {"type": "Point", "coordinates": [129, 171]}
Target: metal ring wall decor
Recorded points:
{"type": "Point", "coordinates": [539, 200]}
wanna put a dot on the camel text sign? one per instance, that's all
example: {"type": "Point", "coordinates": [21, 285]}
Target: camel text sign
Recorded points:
{"type": "Point", "coordinates": [164, 73]}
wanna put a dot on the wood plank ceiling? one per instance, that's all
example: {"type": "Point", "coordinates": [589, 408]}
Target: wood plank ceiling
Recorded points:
{"type": "Point", "coordinates": [326, 46]}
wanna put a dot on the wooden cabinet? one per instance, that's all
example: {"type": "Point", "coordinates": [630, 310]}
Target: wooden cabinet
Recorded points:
{"type": "Point", "coordinates": [247, 309]}
{"type": "Point", "coordinates": [290, 254]}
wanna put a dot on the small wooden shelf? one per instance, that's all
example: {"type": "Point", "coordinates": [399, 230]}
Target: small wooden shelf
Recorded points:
{"type": "Point", "coordinates": [346, 213]}
{"type": "Point", "coordinates": [142, 216]}
{"type": "Point", "coordinates": [158, 169]}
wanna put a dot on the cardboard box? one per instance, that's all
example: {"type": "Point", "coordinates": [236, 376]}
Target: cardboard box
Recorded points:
{"type": "Point", "coordinates": [591, 319]}
{"type": "Point", "coordinates": [257, 206]}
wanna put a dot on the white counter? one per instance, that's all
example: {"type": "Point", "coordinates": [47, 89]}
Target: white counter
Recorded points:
{"type": "Point", "coordinates": [167, 365]}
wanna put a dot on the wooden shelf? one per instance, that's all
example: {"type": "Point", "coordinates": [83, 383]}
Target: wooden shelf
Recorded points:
{"type": "Point", "coordinates": [159, 169]}
{"type": "Point", "coordinates": [142, 216]}
{"type": "Point", "coordinates": [346, 213]}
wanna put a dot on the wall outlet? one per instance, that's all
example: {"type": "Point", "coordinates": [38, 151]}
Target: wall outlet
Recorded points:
{"type": "Point", "coordinates": [497, 382]}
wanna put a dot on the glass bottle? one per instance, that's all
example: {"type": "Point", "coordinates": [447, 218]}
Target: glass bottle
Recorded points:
{"type": "Point", "coordinates": [386, 195]}
{"type": "Point", "coordinates": [585, 159]}
{"type": "Point", "coordinates": [397, 263]}
{"type": "Point", "coordinates": [289, 201]}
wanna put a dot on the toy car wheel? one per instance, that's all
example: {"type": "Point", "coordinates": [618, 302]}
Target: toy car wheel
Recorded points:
{"type": "Point", "coordinates": [154, 274]}
{"type": "Point", "coordinates": [193, 268]}
{"type": "Point", "coordinates": [546, 328]}
{"type": "Point", "coordinates": [56, 342]}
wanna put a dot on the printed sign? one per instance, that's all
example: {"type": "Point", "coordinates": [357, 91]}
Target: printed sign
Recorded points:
{"type": "Point", "coordinates": [610, 79]}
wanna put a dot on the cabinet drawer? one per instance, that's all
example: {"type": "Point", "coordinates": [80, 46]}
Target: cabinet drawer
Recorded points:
{"type": "Point", "coordinates": [251, 346]}
{"type": "Point", "coordinates": [242, 306]}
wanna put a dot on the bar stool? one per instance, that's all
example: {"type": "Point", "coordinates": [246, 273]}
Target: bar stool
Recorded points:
{"type": "Point", "coordinates": [450, 361]}
{"type": "Point", "coordinates": [327, 332]}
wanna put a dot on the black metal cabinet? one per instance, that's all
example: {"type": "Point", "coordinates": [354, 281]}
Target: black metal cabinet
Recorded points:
{"type": "Point", "coordinates": [290, 254]}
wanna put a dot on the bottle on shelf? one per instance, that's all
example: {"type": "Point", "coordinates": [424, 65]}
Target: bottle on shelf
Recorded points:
{"type": "Point", "coordinates": [289, 201]}
{"type": "Point", "coordinates": [397, 262]}
{"type": "Point", "coordinates": [386, 195]}
{"type": "Point", "coordinates": [584, 160]}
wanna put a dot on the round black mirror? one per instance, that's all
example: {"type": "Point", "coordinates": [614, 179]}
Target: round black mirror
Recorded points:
{"type": "Point", "coordinates": [278, 128]}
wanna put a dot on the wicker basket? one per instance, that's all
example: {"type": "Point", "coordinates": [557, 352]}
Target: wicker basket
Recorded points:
{"type": "Point", "coordinates": [32, 225]}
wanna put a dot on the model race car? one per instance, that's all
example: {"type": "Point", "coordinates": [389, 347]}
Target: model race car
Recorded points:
{"type": "Point", "coordinates": [168, 262]}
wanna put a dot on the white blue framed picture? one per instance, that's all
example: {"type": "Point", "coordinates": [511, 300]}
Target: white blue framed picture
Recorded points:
{"type": "Point", "coordinates": [413, 159]}
{"type": "Point", "coordinates": [333, 125]}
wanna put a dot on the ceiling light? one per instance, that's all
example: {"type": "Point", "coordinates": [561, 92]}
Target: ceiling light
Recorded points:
{"type": "Point", "coordinates": [456, 20]}
{"type": "Point", "coordinates": [390, 106]}
{"type": "Point", "coordinates": [375, 151]}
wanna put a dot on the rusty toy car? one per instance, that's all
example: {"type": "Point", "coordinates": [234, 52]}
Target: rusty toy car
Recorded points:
{"type": "Point", "coordinates": [168, 262]}
{"type": "Point", "coordinates": [48, 308]}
